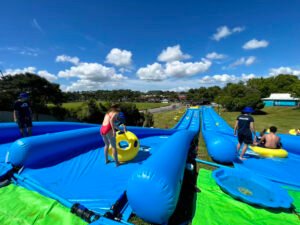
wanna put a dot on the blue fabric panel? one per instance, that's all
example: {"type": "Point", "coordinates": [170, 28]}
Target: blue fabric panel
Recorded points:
{"type": "Point", "coordinates": [291, 143]}
{"type": "Point", "coordinates": [3, 149]}
{"type": "Point", "coordinates": [153, 190]}
{"type": "Point", "coordinates": [10, 132]}
{"type": "Point", "coordinates": [281, 170]}
{"type": "Point", "coordinates": [88, 180]}
{"type": "Point", "coordinates": [185, 120]}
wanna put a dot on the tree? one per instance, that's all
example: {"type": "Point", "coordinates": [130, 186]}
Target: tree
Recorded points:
{"type": "Point", "coordinates": [236, 96]}
{"type": "Point", "coordinates": [39, 89]}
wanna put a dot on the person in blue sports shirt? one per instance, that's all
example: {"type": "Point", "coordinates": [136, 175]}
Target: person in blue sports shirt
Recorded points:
{"type": "Point", "coordinates": [244, 128]}
{"type": "Point", "coordinates": [23, 114]}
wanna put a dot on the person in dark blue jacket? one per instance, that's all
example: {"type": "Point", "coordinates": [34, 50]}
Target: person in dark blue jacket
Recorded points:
{"type": "Point", "coordinates": [244, 128]}
{"type": "Point", "coordinates": [23, 114]}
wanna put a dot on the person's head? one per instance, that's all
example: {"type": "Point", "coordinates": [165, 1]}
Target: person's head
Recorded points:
{"type": "Point", "coordinates": [247, 110]}
{"type": "Point", "coordinates": [23, 96]}
{"type": "Point", "coordinates": [114, 108]}
{"type": "Point", "coordinates": [273, 129]}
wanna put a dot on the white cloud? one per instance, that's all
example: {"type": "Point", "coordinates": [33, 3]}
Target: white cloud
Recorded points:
{"type": "Point", "coordinates": [66, 58]}
{"type": "Point", "coordinates": [180, 88]}
{"type": "Point", "coordinates": [246, 77]}
{"type": "Point", "coordinates": [173, 53]}
{"type": "Point", "coordinates": [42, 73]}
{"type": "Point", "coordinates": [244, 61]}
{"type": "Point", "coordinates": [214, 55]}
{"type": "Point", "coordinates": [158, 72]}
{"type": "Point", "coordinates": [284, 70]}
{"type": "Point", "coordinates": [29, 69]}
{"type": "Point", "coordinates": [224, 31]}
{"type": "Point", "coordinates": [84, 85]}
{"type": "Point", "coordinates": [253, 44]}
{"type": "Point", "coordinates": [92, 72]}
{"type": "Point", "coordinates": [225, 78]}
{"type": "Point", "coordinates": [119, 57]}
{"type": "Point", "coordinates": [180, 69]}
{"type": "Point", "coordinates": [48, 76]}
{"type": "Point", "coordinates": [153, 72]}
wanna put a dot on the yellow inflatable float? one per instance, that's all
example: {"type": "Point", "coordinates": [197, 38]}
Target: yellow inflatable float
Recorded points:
{"type": "Point", "coordinates": [268, 153]}
{"type": "Point", "coordinates": [128, 146]}
{"type": "Point", "coordinates": [293, 132]}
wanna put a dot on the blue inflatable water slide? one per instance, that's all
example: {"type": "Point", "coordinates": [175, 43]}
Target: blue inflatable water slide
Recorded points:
{"type": "Point", "coordinates": [65, 161]}
{"type": "Point", "coordinates": [221, 146]}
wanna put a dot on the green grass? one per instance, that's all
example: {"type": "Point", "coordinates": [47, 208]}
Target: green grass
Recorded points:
{"type": "Point", "coordinates": [149, 105]}
{"type": "Point", "coordinates": [139, 105]}
{"type": "Point", "coordinates": [284, 118]}
{"type": "Point", "coordinates": [167, 119]}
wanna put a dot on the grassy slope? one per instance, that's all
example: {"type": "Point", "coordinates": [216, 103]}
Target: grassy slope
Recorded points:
{"type": "Point", "coordinates": [139, 105]}
{"type": "Point", "coordinates": [284, 118]}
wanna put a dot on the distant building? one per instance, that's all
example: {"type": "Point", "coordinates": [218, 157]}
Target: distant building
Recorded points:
{"type": "Point", "coordinates": [165, 100]}
{"type": "Point", "coordinates": [280, 99]}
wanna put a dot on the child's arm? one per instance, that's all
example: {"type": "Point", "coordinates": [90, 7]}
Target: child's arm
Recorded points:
{"type": "Point", "coordinates": [235, 127]}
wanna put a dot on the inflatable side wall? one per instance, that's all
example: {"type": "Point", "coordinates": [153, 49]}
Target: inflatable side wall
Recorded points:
{"type": "Point", "coordinates": [154, 189]}
{"type": "Point", "coordinates": [44, 150]}
{"type": "Point", "coordinates": [290, 143]}
{"type": "Point", "coordinates": [219, 145]}
{"type": "Point", "coordinates": [10, 132]}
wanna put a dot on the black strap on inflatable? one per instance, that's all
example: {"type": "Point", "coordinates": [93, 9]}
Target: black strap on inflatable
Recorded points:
{"type": "Point", "coordinates": [5, 178]}
{"type": "Point", "coordinates": [117, 208]}
{"type": "Point", "coordinates": [84, 213]}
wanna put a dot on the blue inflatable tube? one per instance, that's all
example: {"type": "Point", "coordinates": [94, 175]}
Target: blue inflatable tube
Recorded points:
{"type": "Point", "coordinates": [290, 143]}
{"type": "Point", "coordinates": [10, 132]}
{"type": "Point", "coordinates": [47, 149]}
{"type": "Point", "coordinates": [154, 189]}
{"type": "Point", "coordinates": [220, 148]}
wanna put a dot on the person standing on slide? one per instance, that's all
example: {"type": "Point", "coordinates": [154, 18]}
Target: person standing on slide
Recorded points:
{"type": "Point", "coordinates": [23, 114]}
{"type": "Point", "coordinates": [244, 128]}
{"type": "Point", "coordinates": [108, 132]}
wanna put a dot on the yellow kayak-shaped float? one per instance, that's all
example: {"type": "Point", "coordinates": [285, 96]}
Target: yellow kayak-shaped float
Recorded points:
{"type": "Point", "coordinates": [270, 153]}
{"type": "Point", "coordinates": [128, 146]}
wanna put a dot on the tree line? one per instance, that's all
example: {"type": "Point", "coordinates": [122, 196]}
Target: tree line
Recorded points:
{"type": "Point", "coordinates": [233, 96]}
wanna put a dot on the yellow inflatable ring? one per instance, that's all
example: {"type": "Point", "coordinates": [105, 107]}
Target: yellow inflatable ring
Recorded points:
{"type": "Point", "coordinates": [267, 152]}
{"type": "Point", "coordinates": [293, 132]}
{"type": "Point", "coordinates": [130, 150]}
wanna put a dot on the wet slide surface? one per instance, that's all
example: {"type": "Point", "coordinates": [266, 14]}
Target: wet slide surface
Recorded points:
{"type": "Point", "coordinates": [282, 170]}
{"type": "Point", "coordinates": [86, 179]}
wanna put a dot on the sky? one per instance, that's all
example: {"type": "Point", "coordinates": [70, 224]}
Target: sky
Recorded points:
{"type": "Point", "coordinates": [149, 45]}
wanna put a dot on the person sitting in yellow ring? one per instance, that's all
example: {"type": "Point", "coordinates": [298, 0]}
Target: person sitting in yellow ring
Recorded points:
{"type": "Point", "coordinates": [270, 140]}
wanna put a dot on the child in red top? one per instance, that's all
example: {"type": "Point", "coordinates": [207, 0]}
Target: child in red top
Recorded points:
{"type": "Point", "coordinates": [108, 132]}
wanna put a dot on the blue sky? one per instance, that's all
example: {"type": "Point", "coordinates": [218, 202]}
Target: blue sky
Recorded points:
{"type": "Point", "coordinates": [149, 45]}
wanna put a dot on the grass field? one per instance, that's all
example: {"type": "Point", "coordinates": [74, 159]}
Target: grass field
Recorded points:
{"type": "Point", "coordinates": [139, 105]}
{"type": "Point", "coordinates": [283, 118]}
